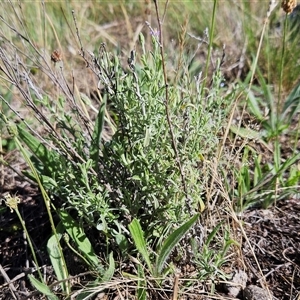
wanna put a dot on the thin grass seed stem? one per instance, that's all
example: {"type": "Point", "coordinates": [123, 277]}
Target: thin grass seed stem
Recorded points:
{"type": "Point", "coordinates": [177, 158]}
{"type": "Point", "coordinates": [29, 242]}
{"type": "Point", "coordinates": [281, 70]}
{"type": "Point", "coordinates": [48, 203]}
{"type": "Point", "coordinates": [211, 34]}
{"type": "Point", "coordinates": [77, 33]}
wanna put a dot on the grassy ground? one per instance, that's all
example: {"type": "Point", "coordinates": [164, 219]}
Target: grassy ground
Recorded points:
{"type": "Point", "coordinates": [147, 148]}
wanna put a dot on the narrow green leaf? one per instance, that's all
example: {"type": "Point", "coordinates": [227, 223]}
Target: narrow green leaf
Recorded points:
{"type": "Point", "coordinates": [227, 245]}
{"type": "Point", "coordinates": [96, 137]}
{"type": "Point", "coordinates": [47, 181]}
{"type": "Point", "coordinates": [172, 241]}
{"type": "Point", "coordinates": [78, 236]}
{"type": "Point", "coordinates": [89, 290]}
{"type": "Point", "coordinates": [270, 180]}
{"type": "Point", "coordinates": [294, 177]}
{"type": "Point", "coordinates": [42, 288]}
{"type": "Point", "coordinates": [257, 170]}
{"type": "Point", "coordinates": [57, 260]}
{"type": "Point", "coordinates": [289, 162]}
{"type": "Point", "coordinates": [109, 273]}
{"type": "Point", "coordinates": [212, 234]}
{"type": "Point", "coordinates": [292, 102]}
{"type": "Point", "coordinates": [141, 291]}
{"type": "Point", "coordinates": [139, 241]}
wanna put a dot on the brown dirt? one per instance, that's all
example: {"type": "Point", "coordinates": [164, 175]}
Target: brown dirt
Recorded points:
{"type": "Point", "coordinates": [274, 235]}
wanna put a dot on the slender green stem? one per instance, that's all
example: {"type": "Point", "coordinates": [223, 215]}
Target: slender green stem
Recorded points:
{"type": "Point", "coordinates": [29, 242]}
{"type": "Point", "coordinates": [66, 238]}
{"type": "Point", "coordinates": [281, 70]}
{"type": "Point", "coordinates": [276, 152]}
{"type": "Point", "coordinates": [174, 143]}
{"type": "Point", "coordinates": [211, 37]}
{"type": "Point", "coordinates": [47, 204]}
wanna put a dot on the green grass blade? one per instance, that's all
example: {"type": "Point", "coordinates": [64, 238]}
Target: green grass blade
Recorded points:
{"type": "Point", "coordinates": [42, 287]}
{"type": "Point", "coordinates": [292, 102]}
{"type": "Point", "coordinates": [141, 291]}
{"type": "Point", "coordinates": [139, 241]}
{"type": "Point", "coordinates": [288, 163]}
{"type": "Point", "coordinates": [212, 234]}
{"type": "Point", "coordinates": [172, 241]}
{"type": "Point", "coordinates": [258, 174]}
{"type": "Point", "coordinates": [96, 137]}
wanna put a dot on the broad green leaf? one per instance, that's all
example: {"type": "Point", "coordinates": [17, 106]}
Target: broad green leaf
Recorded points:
{"type": "Point", "coordinates": [172, 241]}
{"type": "Point", "coordinates": [139, 241]}
{"type": "Point", "coordinates": [46, 156]}
{"type": "Point", "coordinates": [57, 260]}
{"type": "Point", "coordinates": [255, 106]}
{"type": "Point", "coordinates": [248, 133]}
{"type": "Point", "coordinates": [78, 236]}
{"type": "Point", "coordinates": [42, 288]}
{"type": "Point", "coordinates": [147, 137]}
{"type": "Point", "coordinates": [96, 137]}
{"type": "Point", "coordinates": [46, 181]}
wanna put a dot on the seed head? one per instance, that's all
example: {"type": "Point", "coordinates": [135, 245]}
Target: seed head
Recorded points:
{"type": "Point", "coordinates": [56, 56]}
{"type": "Point", "coordinates": [12, 202]}
{"type": "Point", "coordinates": [288, 5]}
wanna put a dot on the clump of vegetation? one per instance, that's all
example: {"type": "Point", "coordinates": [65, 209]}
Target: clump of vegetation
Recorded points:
{"type": "Point", "coordinates": [144, 155]}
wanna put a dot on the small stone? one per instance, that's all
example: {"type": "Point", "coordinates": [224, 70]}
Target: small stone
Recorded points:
{"type": "Point", "coordinates": [237, 283]}
{"type": "Point", "coordinates": [253, 292]}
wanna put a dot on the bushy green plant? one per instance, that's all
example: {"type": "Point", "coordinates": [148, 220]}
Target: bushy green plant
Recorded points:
{"type": "Point", "coordinates": [150, 168]}
{"type": "Point", "coordinates": [140, 161]}
{"type": "Point", "coordinates": [212, 257]}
